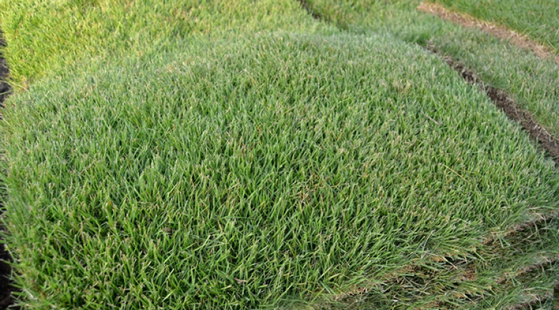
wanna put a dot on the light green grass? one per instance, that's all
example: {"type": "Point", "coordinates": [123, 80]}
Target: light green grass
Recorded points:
{"type": "Point", "coordinates": [46, 37]}
{"type": "Point", "coordinates": [538, 18]}
{"type": "Point", "coordinates": [257, 159]}
{"type": "Point", "coordinates": [255, 172]}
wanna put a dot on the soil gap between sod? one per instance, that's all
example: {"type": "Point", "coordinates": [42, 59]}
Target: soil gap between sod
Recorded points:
{"type": "Point", "coordinates": [499, 31]}
{"type": "Point", "coordinates": [6, 284]}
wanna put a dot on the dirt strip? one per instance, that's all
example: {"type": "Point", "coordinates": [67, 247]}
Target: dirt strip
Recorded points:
{"type": "Point", "coordinates": [309, 10]}
{"type": "Point", "coordinates": [6, 288]}
{"type": "Point", "coordinates": [4, 87]}
{"type": "Point", "coordinates": [499, 31]}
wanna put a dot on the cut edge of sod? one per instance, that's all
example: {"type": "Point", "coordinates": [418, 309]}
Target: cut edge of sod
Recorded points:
{"type": "Point", "coordinates": [500, 31]}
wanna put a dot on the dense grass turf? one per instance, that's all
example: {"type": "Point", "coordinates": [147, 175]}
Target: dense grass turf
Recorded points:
{"type": "Point", "coordinates": [48, 36]}
{"type": "Point", "coordinates": [530, 80]}
{"type": "Point", "coordinates": [256, 158]}
{"type": "Point", "coordinates": [250, 173]}
{"type": "Point", "coordinates": [539, 18]}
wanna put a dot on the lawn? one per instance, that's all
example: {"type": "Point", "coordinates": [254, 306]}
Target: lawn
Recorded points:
{"type": "Point", "coordinates": [242, 155]}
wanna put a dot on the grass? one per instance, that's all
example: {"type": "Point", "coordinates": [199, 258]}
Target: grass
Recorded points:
{"type": "Point", "coordinates": [259, 159]}
{"type": "Point", "coordinates": [531, 81]}
{"type": "Point", "coordinates": [47, 37]}
{"type": "Point", "coordinates": [539, 19]}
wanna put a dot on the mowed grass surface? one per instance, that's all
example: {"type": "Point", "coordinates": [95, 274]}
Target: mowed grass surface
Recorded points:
{"type": "Point", "coordinates": [261, 160]}
{"type": "Point", "coordinates": [255, 172]}
{"type": "Point", "coordinates": [539, 18]}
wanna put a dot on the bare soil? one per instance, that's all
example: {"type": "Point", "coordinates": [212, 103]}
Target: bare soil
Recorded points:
{"type": "Point", "coordinates": [4, 87]}
{"type": "Point", "coordinates": [499, 31]}
{"type": "Point", "coordinates": [6, 288]}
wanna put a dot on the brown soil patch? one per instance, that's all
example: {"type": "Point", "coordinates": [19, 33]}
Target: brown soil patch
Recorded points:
{"type": "Point", "coordinates": [4, 87]}
{"type": "Point", "coordinates": [499, 31]}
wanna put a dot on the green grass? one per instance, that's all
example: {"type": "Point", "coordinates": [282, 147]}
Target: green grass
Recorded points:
{"type": "Point", "coordinates": [259, 159]}
{"type": "Point", "coordinates": [530, 80]}
{"type": "Point", "coordinates": [46, 37]}
{"type": "Point", "coordinates": [539, 18]}
{"type": "Point", "coordinates": [301, 173]}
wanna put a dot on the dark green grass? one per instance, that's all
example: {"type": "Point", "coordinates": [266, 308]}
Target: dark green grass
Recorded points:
{"type": "Point", "coordinates": [255, 172]}
{"type": "Point", "coordinates": [538, 18]}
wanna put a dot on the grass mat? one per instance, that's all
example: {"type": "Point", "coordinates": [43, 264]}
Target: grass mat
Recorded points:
{"type": "Point", "coordinates": [254, 158]}
{"type": "Point", "coordinates": [254, 172]}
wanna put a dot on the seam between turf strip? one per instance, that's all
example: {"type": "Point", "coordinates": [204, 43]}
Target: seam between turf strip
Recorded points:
{"type": "Point", "coordinates": [498, 31]}
{"type": "Point", "coordinates": [5, 257]}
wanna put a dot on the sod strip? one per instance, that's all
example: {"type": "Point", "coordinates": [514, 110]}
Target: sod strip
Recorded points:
{"type": "Point", "coordinates": [499, 31]}
{"type": "Point", "coordinates": [508, 105]}
{"type": "Point", "coordinates": [253, 166]}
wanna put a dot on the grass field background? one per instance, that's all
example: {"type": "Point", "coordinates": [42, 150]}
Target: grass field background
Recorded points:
{"type": "Point", "coordinates": [48, 37]}
{"type": "Point", "coordinates": [258, 158]}
{"type": "Point", "coordinates": [539, 19]}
